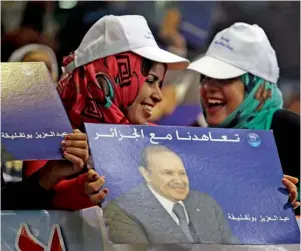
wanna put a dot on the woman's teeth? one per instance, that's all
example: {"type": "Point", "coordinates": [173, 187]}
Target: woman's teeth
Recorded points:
{"type": "Point", "coordinates": [212, 102]}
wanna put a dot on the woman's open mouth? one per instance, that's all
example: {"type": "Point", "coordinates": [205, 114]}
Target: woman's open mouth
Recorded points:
{"type": "Point", "coordinates": [214, 105]}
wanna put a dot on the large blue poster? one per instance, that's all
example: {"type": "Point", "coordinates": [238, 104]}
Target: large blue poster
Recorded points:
{"type": "Point", "coordinates": [33, 119]}
{"type": "Point", "coordinates": [192, 185]}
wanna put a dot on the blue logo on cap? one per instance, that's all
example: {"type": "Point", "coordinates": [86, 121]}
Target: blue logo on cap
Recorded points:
{"type": "Point", "coordinates": [225, 42]}
{"type": "Point", "coordinates": [253, 139]}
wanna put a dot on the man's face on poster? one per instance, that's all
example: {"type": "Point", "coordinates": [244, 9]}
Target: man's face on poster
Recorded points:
{"type": "Point", "coordinates": [166, 174]}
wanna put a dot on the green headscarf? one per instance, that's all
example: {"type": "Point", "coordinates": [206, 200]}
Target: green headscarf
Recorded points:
{"type": "Point", "coordinates": [262, 99]}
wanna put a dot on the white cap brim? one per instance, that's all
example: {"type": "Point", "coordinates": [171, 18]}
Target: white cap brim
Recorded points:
{"type": "Point", "coordinates": [161, 56]}
{"type": "Point", "coordinates": [215, 68]}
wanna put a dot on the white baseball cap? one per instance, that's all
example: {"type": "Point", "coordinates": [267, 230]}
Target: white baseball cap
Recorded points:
{"type": "Point", "coordinates": [115, 34]}
{"type": "Point", "coordinates": [239, 49]}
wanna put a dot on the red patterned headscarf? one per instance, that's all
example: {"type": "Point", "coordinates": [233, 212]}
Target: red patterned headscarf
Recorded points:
{"type": "Point", "coordinates": [101, 91]}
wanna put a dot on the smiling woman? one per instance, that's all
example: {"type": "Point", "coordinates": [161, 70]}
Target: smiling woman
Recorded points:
{"type": "Point", "coordinates": [114, 77]}
{"type": "Point", "coordinates": [150, 94]}
{"type": "Point", "coordinates": [129, 68]}
{"type": "Point", "coordinates": [239, 90]}
{"type": "Point", "coordinates": [220, 98]}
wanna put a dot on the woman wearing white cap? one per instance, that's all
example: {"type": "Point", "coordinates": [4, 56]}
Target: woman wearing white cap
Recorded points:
{"type": "Point", "coordinates": [113, 77]}
{"type": "Point", "coordinates": [239, 76]}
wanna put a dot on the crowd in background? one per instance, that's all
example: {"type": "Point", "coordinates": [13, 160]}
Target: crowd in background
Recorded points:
{"type": "Point", "coordinates": [184, 28]}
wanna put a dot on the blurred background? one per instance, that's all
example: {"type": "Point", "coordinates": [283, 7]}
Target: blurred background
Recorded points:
{"type": "Point", "coordinates": [183, 27]}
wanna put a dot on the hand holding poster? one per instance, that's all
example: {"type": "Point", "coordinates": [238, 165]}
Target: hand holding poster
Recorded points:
{"type": "Point", "coordinates": [192, 185]}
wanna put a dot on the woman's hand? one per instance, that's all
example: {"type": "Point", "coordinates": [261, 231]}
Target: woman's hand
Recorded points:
{"type": "Point", "coordinates": [93, 185]}
{"type": "Point", "coordinates": [76, 151]}
{"type": "Point", "coordinates": [290, 183]}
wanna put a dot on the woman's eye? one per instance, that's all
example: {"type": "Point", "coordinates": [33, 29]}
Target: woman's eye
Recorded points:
{"type": "Point", "coordinates": [228, 81]}
{"type": "Point", "coordinates": [150, 80]}
{"type": "Point", "coordinates": [204, 80]}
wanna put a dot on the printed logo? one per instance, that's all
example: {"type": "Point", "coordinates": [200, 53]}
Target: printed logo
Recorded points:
{"type": "Point", "coordinates": [224, 42]}
{"type": "Point", "coordinates": [253, 139]}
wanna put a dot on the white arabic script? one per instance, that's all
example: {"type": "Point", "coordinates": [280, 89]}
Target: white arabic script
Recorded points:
{"type": "Point", "coordinates": [154, 139]}
{"type": "Point", "coordinates": [261, 218]}
{"type": "Point", "coordinates": [22, 135]}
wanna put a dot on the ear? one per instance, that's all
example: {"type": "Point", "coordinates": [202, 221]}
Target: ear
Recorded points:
{"type": "Point", "coordinates": [144, 173]}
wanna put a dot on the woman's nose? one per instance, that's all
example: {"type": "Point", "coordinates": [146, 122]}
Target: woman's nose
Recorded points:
{"type": "Point", "coordinates": [156, 93]}
{"type": "Point", "coordinates": [211, 85]}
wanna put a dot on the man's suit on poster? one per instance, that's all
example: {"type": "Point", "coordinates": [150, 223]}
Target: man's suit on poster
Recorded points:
{"type": "Point", "coordinates": [138, 217]}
